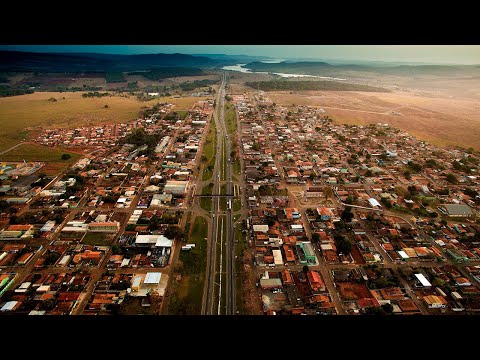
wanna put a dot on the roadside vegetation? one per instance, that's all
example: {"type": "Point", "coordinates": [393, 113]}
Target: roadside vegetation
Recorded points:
{"type": "Point", "coordinates": [206, 202]}
{"type": "Point", "coordinates": [208, 158]}
{"type": "Point", "coordinates": [188, 294]}
{"type": "Point", "coordinates": [230, 119]}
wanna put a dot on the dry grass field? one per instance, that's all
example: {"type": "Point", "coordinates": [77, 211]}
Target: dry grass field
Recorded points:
{"type": "Point", "coordinates": [70, 110]}
{"type": "Point", "coordinates": [438, 118]}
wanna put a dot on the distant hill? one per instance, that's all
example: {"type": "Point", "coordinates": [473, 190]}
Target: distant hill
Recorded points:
{"type": "Point", "coordinates": [311, 85]}
{"type": "Point", "coordinates": [91, 62]}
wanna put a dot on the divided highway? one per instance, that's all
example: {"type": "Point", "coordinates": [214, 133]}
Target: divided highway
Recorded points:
{"type": "Point", "coordinates": [219, 295]}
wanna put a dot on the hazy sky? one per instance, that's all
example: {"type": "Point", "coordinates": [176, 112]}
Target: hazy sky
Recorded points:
{"type": "Point", "coordinates": [460, 54]}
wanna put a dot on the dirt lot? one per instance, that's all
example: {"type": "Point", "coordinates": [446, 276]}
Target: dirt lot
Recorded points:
{"type": "Point", "coordinates": [353, 291]}
{"type": "Point", "coordinates": [439, 118]}
{"type": "Point", "coordinates": [357, 256]}
{"type": "Point", "coordinates": [251, 301]}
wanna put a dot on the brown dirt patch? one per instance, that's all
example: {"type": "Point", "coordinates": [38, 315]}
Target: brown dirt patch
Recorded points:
{"type": "Point", "coordinates": [353, 291]}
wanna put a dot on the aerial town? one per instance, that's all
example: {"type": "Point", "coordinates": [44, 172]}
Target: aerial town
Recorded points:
{"type": "Point", "coordinates": [239, 206]}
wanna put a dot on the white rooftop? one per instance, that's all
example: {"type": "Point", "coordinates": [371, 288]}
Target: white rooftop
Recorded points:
{"type": "Point", "coordinates": [152, 278]}
{"type": "Point", "coordinates": [423, 280]}
{"type": "Point", "coordinates": [9, 306]}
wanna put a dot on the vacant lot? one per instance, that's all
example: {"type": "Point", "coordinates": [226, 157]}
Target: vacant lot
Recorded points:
{"type": "Point", "coordinates": [69, 110]}
{"type": "Point", "coordinates": [439, 119]}
{"type": "Point", "coordinates": [353, 291]}
{"type": "Point", "coordinates": [100, 239]}
{"type": "Point", "coordinates": [50, 156]}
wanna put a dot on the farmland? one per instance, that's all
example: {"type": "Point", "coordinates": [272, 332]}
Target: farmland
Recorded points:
{"type": "Point", "coordinates": [69, 110]}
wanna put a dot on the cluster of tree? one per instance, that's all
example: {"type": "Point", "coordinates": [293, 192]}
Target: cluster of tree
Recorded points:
{"type": "Point", "coordinates": [132, 85]}
{"type": "Point", "coordinates": [168, 72]}
{"type": "Point", "coordinates": [140, 137]}
{"type": "Point", "coordinates": [451, 179]}
{"type": "Point", "coordinates": [174, 232]}
{"type": "Point", "coordinates": [176, 115]}
{"type": "Point", "coordinates": [275, 85]}
{"type": "Point", "coordinates": [385, 309]}
{"type": "Point", "coordinates": [416, 168]}
{"type": "Point", "coordinates": [462, 167]}
{"type": "Point", "coordinates": [430, 163]}
{"type": "Point", "coordinates": [189, 86]}
{"type": "Point", "coordinates": [114, 77]}
{"type": "Point", "coordinates": [344, 246]}
{"type": "Point", "coordinates": [6, 91]}
{"type": "Point", "coordinates": [76, 88]}
{"type": "Point", "coordinates": [471, 192]}
{"type": "Point", "coordinates": [95, 94]}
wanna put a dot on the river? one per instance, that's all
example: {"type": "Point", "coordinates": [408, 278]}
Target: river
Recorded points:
{"type": "Point", "coordinates": [243, 69]}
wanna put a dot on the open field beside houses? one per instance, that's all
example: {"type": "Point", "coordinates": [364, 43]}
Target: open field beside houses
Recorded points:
{"type": "Point", "coordinates": [50, 156]}
{"type": "Point", "coordinates": [69, 110]}
{"type": "Point", "coordinates": [439, 119]}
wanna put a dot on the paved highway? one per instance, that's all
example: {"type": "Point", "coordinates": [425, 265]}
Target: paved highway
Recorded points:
{"type": "Point", "coordinates": [222, 224]}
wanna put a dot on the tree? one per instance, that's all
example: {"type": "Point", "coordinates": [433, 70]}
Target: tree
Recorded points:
{"type": "Point", "coordinates": [344, 246]}
{"type": "Point", "coordinates": [4, 205]}
{"type": "Point", "coordinates": [451, 179]}
{"type": "Point", "coordinates": [106, 106]}
{"type": "Point", "coordinates": [443, 222]}
{"type": "Point", "coordinates": [347, 214]}
{"type": "Point", "coordinates": [349, 200]}
{"type": "Point", "coordinates": [174, 232]}
{"type": "Point", "coordinates": [327, 190]}
{"type": "Point", "coordinates": [66, 156]}
{"type": "Point", "coordinates": [316, 237]}
{"type": "Point", "coordinates": [388, 308]}
{"type": "Point", "coordinates": [368, 173]}
{"type": "Point", "coordinates": [116, 250]}
{"type": "Point", "coordinates": [305, 269]}
{"type": "Point", "coordinates": [407, 174]}
{"type": "Point", "coordinates": [414, 166]}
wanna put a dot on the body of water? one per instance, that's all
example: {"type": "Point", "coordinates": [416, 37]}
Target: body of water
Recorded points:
{"type": "Point", "coordinates": [243, 69]}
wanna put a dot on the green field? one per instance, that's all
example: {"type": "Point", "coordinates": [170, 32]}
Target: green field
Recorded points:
{"type": "Point", "coordinates": [206, 202]}
{"type": "Point", "coordinates": [237, 167]}
{"type": "Point", "coordinates": [50, 156]}
{"type": "Point", "coordinates": [101, 239]}
{"type": "Point", "coordinates": [208, 149]}
{"type": "Point", "coordinates": [230, 118]}
{"type": "Point", "coordinates": [237, 204]}
{"type": "Point", "coordinates": [223, 200]}
{"type": "Point", "coordinates": [188, 297]}
{"type": "Point", "coordinates": [70, 110]}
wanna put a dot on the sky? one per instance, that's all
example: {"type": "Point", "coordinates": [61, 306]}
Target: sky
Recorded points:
{"type": "Point", "coordinates": [453, 54]}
